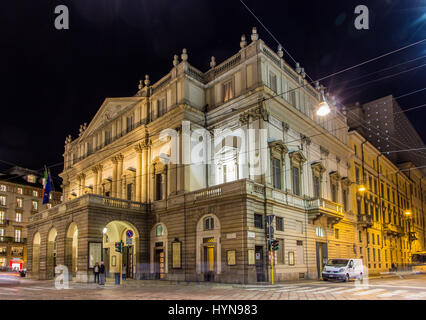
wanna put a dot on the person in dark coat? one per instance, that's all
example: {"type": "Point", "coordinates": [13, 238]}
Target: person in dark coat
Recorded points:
{"type": "Point", "coordinates": [102, 273]}
{"type": "Point", "coordinates": [96, 272]}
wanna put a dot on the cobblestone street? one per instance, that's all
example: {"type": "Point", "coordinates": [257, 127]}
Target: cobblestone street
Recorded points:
{"type": "Point", "coordinates": [405, 288]}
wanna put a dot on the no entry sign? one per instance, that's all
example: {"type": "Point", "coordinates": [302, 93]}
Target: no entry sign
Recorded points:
{"type": "Point", "coordinates": [129, 233]}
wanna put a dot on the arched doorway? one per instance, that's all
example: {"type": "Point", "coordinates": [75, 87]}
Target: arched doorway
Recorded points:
{"type": "Point", "coordinates": [158, 251]}
{"type": "Point", "coordinates": [36, 256]}
{"type": "Point", "coordinates": [71, 250]}
{"type": "Point", "coordinates": [117, 231]}
{"type": "Point", "coordinates": [51, 253]}
{"type": "Point", "coordinates": [208, 253]}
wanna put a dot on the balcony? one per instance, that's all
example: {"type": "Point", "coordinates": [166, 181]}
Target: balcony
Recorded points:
{"type": "Point", "coordinates": [412, 236]}
{"type": "Point", "coordinates": [365, 221]}
{"type": "Point", "coordinates": [90, 200]}
{"type": "Point", "coordinates": [321, 207]}
{"type": "Point", "coordinates": [392, 230]}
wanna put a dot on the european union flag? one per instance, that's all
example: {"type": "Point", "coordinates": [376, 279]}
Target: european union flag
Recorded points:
{"type": "Point", "coordinates": [47, 187]}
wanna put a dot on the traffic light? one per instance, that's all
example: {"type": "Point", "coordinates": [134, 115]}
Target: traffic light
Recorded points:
{"type": "Point", "coordinates": [275, 244]}
{"type": "Point", "coordinates": [118, 246]}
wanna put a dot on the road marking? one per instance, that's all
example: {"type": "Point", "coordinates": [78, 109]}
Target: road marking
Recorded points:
{"type": "Point", "coordinates": [349, 290]}
{"type": "Point", "coordinates": [391, 294]}
{"type": "Point", "coordinates": [329, 290]}
{"type": "Point", "coordinates": [313, 289]}
{"type": "Point", "coordinates": [416, 295]}
{"type": "Point", "coordinates": [364, 293]}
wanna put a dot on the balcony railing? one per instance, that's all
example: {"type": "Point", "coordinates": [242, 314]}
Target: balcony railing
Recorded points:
{"type": "Point", "coordinates": [4, 239]}
{"type": "Point", "coordinates": [392, 229]}
{"type": "Point", "coordinates": [323, 207]}
{"type": "Point", "coordinates": [365, 220]}
{"type": "Point", "coordinates": [90, 200]}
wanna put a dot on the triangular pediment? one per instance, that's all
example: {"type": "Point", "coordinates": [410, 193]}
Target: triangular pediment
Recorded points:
{"type": "Point", "coordinates": [110, 109]}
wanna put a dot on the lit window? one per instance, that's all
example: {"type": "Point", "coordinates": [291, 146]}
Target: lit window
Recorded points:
{"type": "Point", "coordinates": [20, 190]}
{"type": "Point", "coordinates": [228, 91]}
{"type": "Point", "coordinates": [3, 188]}
{"type": "Point", "coordinates": [35, 205]}
{"type": "Point", "coordinates": [50, 196]}
{"type": "Point", "coordinates": [319, 232]}
{"type": "Point", "coordinates": [1, 217]}
{"type": "Point", "coordinates": [159, 230]}
{"type": "Point", "coordinates": [18, 217]}
{"type": "Point", "coordinates": [19, 202]}
{"type": "Point", "coordinates": [49, 205]}
{"type": "Point", "coordinates": [2, 200]}
{"type": "Point", "coordinates": [209, 223]}
{"type": "Point", "coordinates": [35, 193]}
{"type": "Point", "coordinates": [18, 235]}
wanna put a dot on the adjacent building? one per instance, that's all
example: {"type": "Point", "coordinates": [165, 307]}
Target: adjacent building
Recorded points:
{"type": "Point", "coordinates": [20, 197]}
{"type": "Point", "coordinates": [189, 170]}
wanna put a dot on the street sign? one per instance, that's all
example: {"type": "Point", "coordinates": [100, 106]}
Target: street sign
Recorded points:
{"type": "Point", "coordinates": [129, 234]}
{"type": "Point", "coordinates": [129, 241]}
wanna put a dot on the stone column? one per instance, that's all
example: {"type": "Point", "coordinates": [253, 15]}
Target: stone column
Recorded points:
{"type": "Point", "coordinates": [82, 183]}
{"type": "Point", "coordinates": [145, 174]}
{"type": "Point", "coordinates": [99, 178]}
{"type": "Point", "coordinates": [95, 179]}
{"type": "Point", "coordinates": [119, 184]}
{"type": "Point", "coordinates": [138, 149]}
{"type": "Point", "coordinates": [163, 184]}
{"type": "Point", "coordinates": [114, 177]}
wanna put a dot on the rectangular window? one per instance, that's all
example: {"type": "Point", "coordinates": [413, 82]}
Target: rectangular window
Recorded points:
{"type": "Point", "coordinates": [18, 233]}
{"type": "Point", "coordinates": [3, 188]}
{"type": "Point", "coordinates": [273, 81]}
{"type": "Point", "coordinates": [334, 192]}
{"type": "Point", "coordinates": [357, 175]}
{"type": "Point", "coordinates": [107, 137]}
{"type": "Point", "coordinates": [292, 97]}
{"type": "Point", "coordinates": [276, 166]}
{"type": "Point", "coordinates": [18, 217]}
{"type": "Point", "coordinates": [368, 238]}
{"type": "Point", "coordinates": [19, 202]}
{"type": "Point", "coordinates": [35, 193]}
{"type": "Point", "coordinates": [2, 217]}
{"type": "Point", "coordinates": [316, 187]}
{"type": "Point", "coordinates": [3, 201]}
{"type": "Point", "coordinates": [1, 234]}
{"type": "Point", "coordinates": [228, 91]}
{"type": "Point", "coordinates": [161, 107]}
{"type": "Point", "coordinates": [296, 180]}
{"type": "Point", "coordinates": [378, 239]}
{"type": "Point", "coordinates": [20, 191]}
{"type": "Point", "coordinates": [129, 123]}
{"type": "Point", "coordinates": [336, 233]}
{"type": "Point", "coordinates": [258, 221]}
{"type": "Point", "coordinates": [279, 224]}
{"type": "Point", "coordinates": [300, 253]}
{"type": "Point", "coordinates": [35, 205]}
{"type": "Point", "coordinates": [158, 187]}
{"type": "Point", "coordinates": [373, 238]}
{"type": "Point", "coordinates": [129, 191]}
{"type": "Point", "coordinates": [360, 236]}
{"type": "Point", "coordinates": [345, 199]}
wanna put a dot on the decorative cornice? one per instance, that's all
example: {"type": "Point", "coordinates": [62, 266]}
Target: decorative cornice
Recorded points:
{"type": "Point", "coordinates": [278, 146]}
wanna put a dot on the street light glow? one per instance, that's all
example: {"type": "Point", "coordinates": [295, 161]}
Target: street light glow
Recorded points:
{"type": "Point", "coordinates": [323, 109]}
{"type": "Point", "coordinates": [104, 230]}
{"type": "Point", "coordinates": [361, 188]}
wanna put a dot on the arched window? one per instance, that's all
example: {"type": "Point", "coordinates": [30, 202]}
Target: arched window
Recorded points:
{"type": "Point", "coordinates": [209, 223]}
{"type": "Point", "coordinates": [319, 232]}
{"type": "Point", "coordinates": [159, 231]}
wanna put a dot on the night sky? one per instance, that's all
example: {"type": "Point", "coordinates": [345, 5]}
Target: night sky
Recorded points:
{"type": "Point", "coordinates": [54, 80]}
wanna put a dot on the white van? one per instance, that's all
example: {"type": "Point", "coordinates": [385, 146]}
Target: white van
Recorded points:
{"type": "Point", "coordinates": [343, 269]}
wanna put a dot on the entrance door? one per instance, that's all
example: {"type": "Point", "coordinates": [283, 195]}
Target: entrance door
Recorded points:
{"type": "Point", "coordinates": [159, 264]}
{"type": "Point", "coordinates": [106, 261]}
{"type": "Point", "coordinates": [209, 263]}
{"type": "Point", "coordinates": [128, 261]}
{"type": "Point", "coordinates": [260, 269]}
{"type": "Point", "coordinates": [322, 257]}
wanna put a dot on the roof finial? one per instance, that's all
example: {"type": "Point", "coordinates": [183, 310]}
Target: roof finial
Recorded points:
{"type": "Point", "coordinates": [254, 35]}
{"type": "Point", "coordinates": [298, 68]}
{"type": "Point", "coordinates": [280, 51]}
{"type": "Point", "coordinates": [212, 62]}
{"type": "Point", "coordinates": [184, 55]}
{"type": "Point", "coordinates": [146, 82]}
{"type": "Point", "coordinates": [140, 86]}
{"type": "Point", "coordinates": [243, 41]}
{"type": "Point", "coordinates": [175, 60]}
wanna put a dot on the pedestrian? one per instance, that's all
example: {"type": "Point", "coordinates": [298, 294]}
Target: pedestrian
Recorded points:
{"type": "Point", "coordinates": [96, 272]}
{"type": "Point", "coordinates": [102, 273]}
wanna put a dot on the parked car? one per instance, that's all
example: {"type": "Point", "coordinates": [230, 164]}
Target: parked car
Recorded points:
{"type": "Point", "coordinates": [343, 269]}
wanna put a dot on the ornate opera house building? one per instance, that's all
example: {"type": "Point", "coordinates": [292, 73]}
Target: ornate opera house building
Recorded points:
{"type": "Point", "coordinates": [192, 165]}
